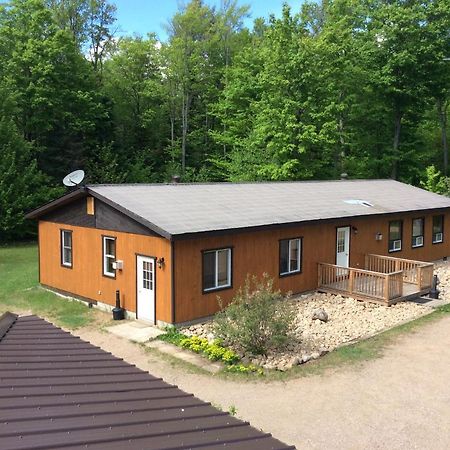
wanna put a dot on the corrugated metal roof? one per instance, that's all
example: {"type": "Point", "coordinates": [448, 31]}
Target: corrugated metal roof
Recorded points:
{"type": "Point", "coordinates": [57, 391]}
{"type": "Point", "coordinates": [179, 209]}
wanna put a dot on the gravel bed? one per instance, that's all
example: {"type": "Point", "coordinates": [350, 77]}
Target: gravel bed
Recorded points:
{"type": "Point", "coordinates": [343, 320]}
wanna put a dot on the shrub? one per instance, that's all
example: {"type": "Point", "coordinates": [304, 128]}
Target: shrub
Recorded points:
{"type": "Point", "coordinates": [257, 319]}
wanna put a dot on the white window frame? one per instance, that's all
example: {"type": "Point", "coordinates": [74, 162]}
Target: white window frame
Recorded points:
{"type": "Point", "coordinates": [299, 256]}
{"type": "Point", "coordinates": [107, 256]}
{"type": "Point", "coordinates": [396, 243]}
{"type": "Point", "coordinates": [66, 247]}
{"type": "Point", "coordinates": [440, 234]}
{"type": "Point", "coordinates": [417, 241]}
{"type": "Point", "coordinates": [216, 275]}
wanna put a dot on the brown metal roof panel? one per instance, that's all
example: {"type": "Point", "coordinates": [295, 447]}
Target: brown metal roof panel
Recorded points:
{"type": "Point", "coordinates": [119, 370]}
{"type": "Point", "coordinates": [7, 320]}
{"type": "Point", "coordinates": [72, 381]}
{"type": "Point", "coordinates": [79, 410]}
{"type": "Point", "coordinates": [68, 365]}
{"type": "Point", "coordinates": [85, 389]}
{"type": "Point", "coordinates": [246, 438]}
{"type": "Point", "coordinates": [122, 419]}
{"type": "Point", "coordinates": [32, 401]}
{"type": "Point", "coordinates": [211, 425]}
{"type": "Point", "coordinates": [63, 399]}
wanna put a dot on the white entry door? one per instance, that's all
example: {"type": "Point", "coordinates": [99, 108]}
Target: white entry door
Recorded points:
{"type": "Point", "coordinates": [145, 267]}
{"type": "Point", "coordinates": [343, 246]}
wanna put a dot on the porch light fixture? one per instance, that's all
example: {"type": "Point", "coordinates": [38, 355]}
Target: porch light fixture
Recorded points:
{"type": "Point", "coordinates": [160, 262]}
{"type": "Point", "coordinates": [378, 236]}
{"type": "Point", "coordinates": [355, 230]}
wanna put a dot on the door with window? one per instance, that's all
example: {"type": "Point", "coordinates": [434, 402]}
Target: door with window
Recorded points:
{"type": "Point", "coordinates": [343, 246]}
{"type": "Point", "coordinates": [145, 267]}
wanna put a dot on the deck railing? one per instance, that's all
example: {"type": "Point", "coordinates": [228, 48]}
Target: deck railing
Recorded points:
{"type": "Point", "coordinates": [359, 283]}
{"type": "Point", "coordinates": [415, 272]}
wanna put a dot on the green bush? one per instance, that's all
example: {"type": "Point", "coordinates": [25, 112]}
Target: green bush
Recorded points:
{"type": "Point", "coordinates": [258, 318]}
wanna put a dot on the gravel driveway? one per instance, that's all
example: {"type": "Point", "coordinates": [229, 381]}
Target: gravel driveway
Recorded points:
{"type": "Point", "coordinates": [399, 401]}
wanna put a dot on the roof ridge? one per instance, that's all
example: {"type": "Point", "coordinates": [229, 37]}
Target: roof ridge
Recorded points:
{"type": "Point", "coordinates": [229, 183]}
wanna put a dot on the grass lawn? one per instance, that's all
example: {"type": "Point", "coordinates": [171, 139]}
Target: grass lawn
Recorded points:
{"type": "Point", "coordinates": [20, 291]}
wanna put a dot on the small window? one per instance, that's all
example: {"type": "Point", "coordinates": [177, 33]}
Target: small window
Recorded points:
{"type": "Point", "coordinates": [66, 248]}
{"type": "Point", "coordinates": [395, 235]}
{"type": "Point", "coordinates": [290, 256]}
{"type": "Point", "coordinates": [216, 269]}
{"type": "Point", "coordinates": [438, 229]}
{"type": "Point", "coordinates": [417, 232]}
{"type": "Point", "coordinates": [109, 256]}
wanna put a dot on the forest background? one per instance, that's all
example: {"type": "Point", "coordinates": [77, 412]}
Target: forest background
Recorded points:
{"type": "Point", "coordinates": [354, 86]}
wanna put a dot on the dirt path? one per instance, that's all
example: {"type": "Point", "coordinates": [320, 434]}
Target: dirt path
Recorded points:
{"type": "Point", "coordinates": [400, 401]}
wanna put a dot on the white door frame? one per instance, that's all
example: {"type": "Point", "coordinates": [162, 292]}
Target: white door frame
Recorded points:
{"type": "Point", "coordinates": [343, 258]}
{"type": "Point", "coordinates": [146, 314]}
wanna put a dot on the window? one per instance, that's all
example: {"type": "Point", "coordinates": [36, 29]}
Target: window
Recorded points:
{"type": "Point", "coordinates": [109, 256]}
{"type": "Point", "coordinates": [438, 229]}
{"type": "Point", "coordinates": [216, 269]}
{"type": "Point", "coordinates": [417, 232]}
{"type": "Point", "coordinates": [66, 248]}
{"type": "Point", "coordinates": [395, 235]}
{"type": "Point", "coordinates": [290, 256]}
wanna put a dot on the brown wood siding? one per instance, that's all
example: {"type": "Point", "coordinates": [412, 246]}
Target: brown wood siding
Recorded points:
{"type": "Point", "coordinates": [86, 278]}
{"type": "Point", "coordinates": [258, 252]}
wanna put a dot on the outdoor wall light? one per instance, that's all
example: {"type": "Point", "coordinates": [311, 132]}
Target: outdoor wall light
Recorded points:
{"type": "Point", "coordinates": [378, 236]}
{"type": "Point", "coordinates": [160, 262]}
{"type": "Point", "coordinates": [355, 230]}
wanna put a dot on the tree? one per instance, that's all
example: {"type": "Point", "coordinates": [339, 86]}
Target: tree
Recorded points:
{"type": "Point", "coordinates": [133, 81]}
{"type": "Point", "coordinates": [22, 185]}
{"type": "Point", "coordinates": [90, 22]}
{"type": "Point", "coordinates": [58, 105]}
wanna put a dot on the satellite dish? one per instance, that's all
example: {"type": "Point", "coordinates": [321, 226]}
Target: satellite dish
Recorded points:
{"type": "Point", "coordinates": [74, 178]}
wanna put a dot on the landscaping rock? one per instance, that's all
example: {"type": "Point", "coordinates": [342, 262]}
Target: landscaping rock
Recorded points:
{"type": "Point", "coordinates": [320, 314]}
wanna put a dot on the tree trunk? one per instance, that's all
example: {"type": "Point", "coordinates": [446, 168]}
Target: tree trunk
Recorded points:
{"type": "Point", "coordinates": [184, 119]}
{"type": "Point", "coordinates": [397, 129]}
{"type": "Point", "coordinates": [342, 154]}
{"type": "Point", "coordinates": [442, 106]}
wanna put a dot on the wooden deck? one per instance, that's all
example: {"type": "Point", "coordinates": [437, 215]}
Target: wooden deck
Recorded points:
{"type": "Point", "coordinates": [395, 279]}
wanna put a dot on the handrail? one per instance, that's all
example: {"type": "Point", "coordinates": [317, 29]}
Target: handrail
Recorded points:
{"type": "Point", "coordinates": [360, 282]}
{"type": "Point", "coordinates": [393, 258]}
{"type": "Point", "coordinates": [415, 272]}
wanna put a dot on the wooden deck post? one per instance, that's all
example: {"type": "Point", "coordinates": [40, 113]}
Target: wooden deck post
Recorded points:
{"type": "Point", "coordinates": [350, 281]}
{"type": "Point", "coordinates": [419, 278]}
{"type": "Point", "coordinates": [386, 288]}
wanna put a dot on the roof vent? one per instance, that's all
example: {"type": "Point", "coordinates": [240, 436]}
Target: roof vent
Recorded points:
{"type": "Point", "coordinates": [359, 202]}
{"type": "Point", "coordinates": [344, 176]}
{"type": "Point", "coordinates": [175, 179]}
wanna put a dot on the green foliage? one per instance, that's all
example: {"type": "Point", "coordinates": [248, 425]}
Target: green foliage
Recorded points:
{"type": "Point", "coordinates": [245, 369]}
{"type": "Point", "coordinates": [435, 182]}
{"type": "Point", "coordinates": [339, 86]}
{"type": "Point", "coordinates": [22, 185]}
{"type": "Point", "coordinates": [213, 351]}
{"type": "Point", "coordinates": [257, 319]}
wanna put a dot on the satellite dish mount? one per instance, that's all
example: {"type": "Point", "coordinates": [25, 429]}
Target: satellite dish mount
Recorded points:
{"type": "Point", "coordinates": [74, 178]}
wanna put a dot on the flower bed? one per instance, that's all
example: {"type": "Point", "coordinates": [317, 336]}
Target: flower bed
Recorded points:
{"type": "Point", "coordinates": [213, 350]}
{"type": "Point", "coordinates": [347, 320]}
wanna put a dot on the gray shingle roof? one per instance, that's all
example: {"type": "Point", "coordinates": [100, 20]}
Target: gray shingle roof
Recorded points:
{"type": "Point", "coordinates": [179, 209]}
